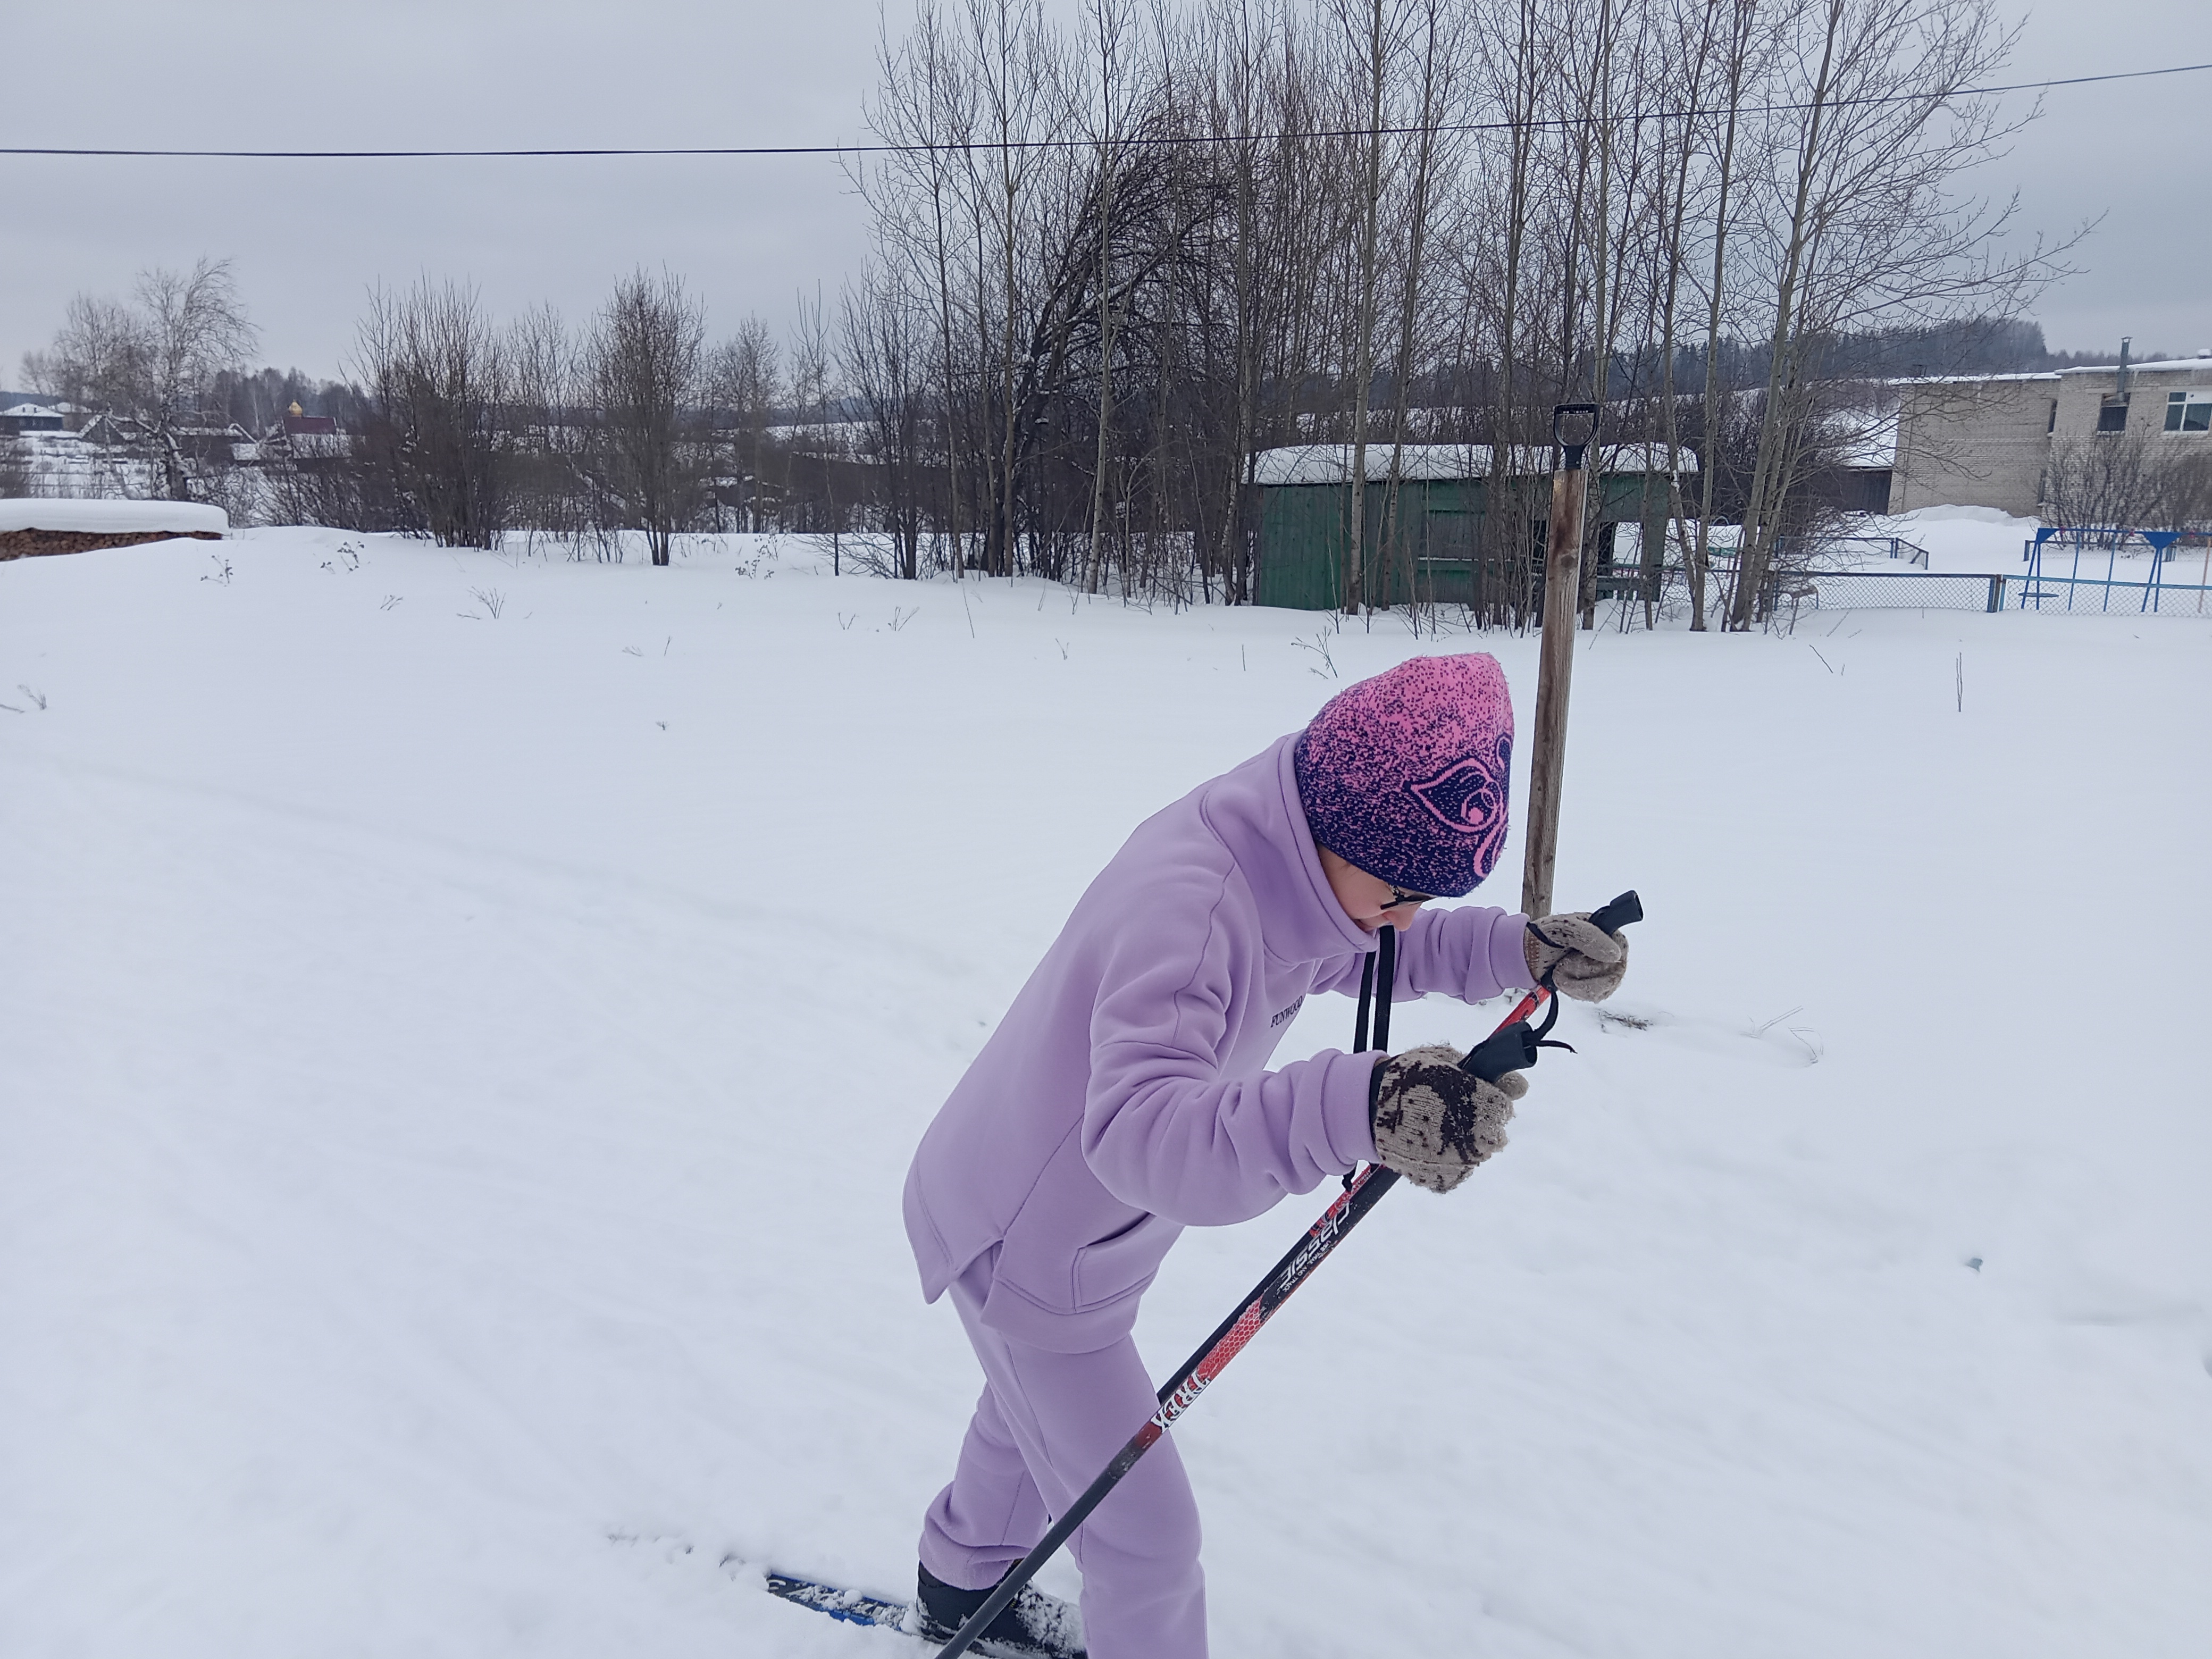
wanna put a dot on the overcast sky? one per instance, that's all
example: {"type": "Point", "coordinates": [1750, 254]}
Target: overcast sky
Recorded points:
{"type": "Point", "coordinates": [748, 233]}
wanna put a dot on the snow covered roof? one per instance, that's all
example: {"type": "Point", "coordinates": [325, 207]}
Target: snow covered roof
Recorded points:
{"type": "Point", "coordinates": [2166, 365]}
{"type": "Point", "coordinates": [1868, 450]}
{"type": "Point", "coordinates": [1331, 463]}
{"type": "Point", "coordinates": [1860, 438]}
{"type": "Point", "coordinates": [103, 518]}
{"type": "Point", "coordinates": [2203, 361]}
{"type": "Point", "coordinates": [847, 433]}
{"type": "Point", "coordinates": [1988, 379]}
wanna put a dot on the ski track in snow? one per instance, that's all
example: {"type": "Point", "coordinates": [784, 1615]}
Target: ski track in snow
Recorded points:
{"type": "Point", "coordinates": [457, 1072]}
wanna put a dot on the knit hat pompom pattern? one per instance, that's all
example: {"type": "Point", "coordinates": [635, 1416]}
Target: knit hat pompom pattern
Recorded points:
{"type": "Point", "coordinates": [1405, 774]}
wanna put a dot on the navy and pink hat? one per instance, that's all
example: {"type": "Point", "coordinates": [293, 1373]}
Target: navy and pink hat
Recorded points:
{"type": "Point", "coordinates": [1405, 774]}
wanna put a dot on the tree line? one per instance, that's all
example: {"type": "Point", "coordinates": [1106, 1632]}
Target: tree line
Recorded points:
{"type": "Point", "coordinates": [1114, 260]}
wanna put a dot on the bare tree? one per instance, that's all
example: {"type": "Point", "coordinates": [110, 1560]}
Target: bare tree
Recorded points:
{"type": "Point", "coordinates": [1875, 123]}
{"type": "Point", "coordinates": [1268, 221]}
{"type": "Point", "coordinates": [744, 382]}
{"type": "Point", "coordinates": [434, 373]}
{"type": "Point", "coordinates": [157, 361]}
{"type": "Point", "coordinates": [885, 351]}
{"type": "Point", "coordinates": [544, 432]}
{"type": "Point", "coordinates": [98, 360]}
{"type": "Point", "coordinates": [1371, 29]}
{"type": "Point", "coordinates": [645, 357]}
{"type": "Point", "coordinates": [1106, 34]}
{"type": "Point", "coordinates": [1020, 74]}
{"type": "Point", "coordinates": [195, 327]}
{"type": "Point", "coordinates": [1499, 275]}
{"type": "Point", "coordinates": [1730, 34]}
{"type": "Point", "coordinates": [813, 388]}
{"type": "Point", "coordinates": [1439, 50]}
{"type": "Point", "coordinates": [2125, 481]}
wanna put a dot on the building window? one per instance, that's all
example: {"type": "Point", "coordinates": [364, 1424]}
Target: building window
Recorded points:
{"type": "Point", "coordinates": [2053, 424]}
{"type": "Point", "coordinates": [2112, 413]}
{"type": "Point", "coordinates": [2189, 411]}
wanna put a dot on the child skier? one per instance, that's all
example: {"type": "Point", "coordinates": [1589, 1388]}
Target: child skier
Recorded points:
{"type": "Point", "coordinates": [1126, 1096]}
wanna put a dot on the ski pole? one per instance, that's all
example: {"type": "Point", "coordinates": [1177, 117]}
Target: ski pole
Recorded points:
{"type": "Point", "coordinates": [1511, 1047]}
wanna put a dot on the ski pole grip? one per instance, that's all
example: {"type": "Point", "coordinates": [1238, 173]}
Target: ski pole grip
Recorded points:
{"type": "Point", "coordinates": [1510, 1048]}
{"type": "Point", "coordinates": [1612, 918]}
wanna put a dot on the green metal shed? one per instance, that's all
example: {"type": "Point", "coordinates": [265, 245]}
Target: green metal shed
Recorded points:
{"type": "Point", "coordinates": [1443, 492]}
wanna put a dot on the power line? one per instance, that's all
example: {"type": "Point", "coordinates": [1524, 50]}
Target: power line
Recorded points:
{"type": "Point", "coordinates": [971, 144]}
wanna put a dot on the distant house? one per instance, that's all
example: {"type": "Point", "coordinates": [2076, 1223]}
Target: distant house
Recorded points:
{"type": "Point", "coordinates": [307, 437]}
{"type": "Point", "coordinates": [1986, 441]}
{"type": "Point", "coordinates": [1859, 469]}
{"type": "Point", "coordinates": [116, 432]}
{"type": "Point", "coordinates": [1434, 525]}
{"type": "Point", "coordinates": [19, 418]}
{"type": "Point", "coordinates": [210, 443]}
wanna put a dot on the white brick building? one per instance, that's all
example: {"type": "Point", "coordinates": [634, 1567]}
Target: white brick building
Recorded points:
{"type": "Point", "coordinates": [1986, 441]}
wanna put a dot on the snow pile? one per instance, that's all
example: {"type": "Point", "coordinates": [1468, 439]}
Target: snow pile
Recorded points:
{"type": "Point", "coordinates": [470, 1017]}
{"type": "Point", "coordinates": [1979, 540]}
{"type": "Point", "coordinates": [111, 518]}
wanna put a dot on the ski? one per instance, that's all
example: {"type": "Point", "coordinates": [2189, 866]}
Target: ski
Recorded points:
{"type": "Point", "coordinates": [857, 1607]}
{"type": "Point", "coordinates": [851, 1606]}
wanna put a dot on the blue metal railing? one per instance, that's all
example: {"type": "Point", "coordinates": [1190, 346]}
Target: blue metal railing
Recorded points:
{"type": "Point", "coordinates": [2039, 587]}
{"type": "Point", "coordinates": [2152, 597]}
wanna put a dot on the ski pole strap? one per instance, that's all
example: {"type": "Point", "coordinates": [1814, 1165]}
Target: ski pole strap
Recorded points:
{"type": "Point", "coordinates": [1385, 953]}
{"type": "Point", "coordinates": [1381, 965]}
{"type": "Point", "coordinates": [1609, 918]}
{"type": "Point", "coordinates": [1386, 981]}
{"type": "Point", "coordinates": [1551, 1014]}
{"type": "Point", "coordinates": [1514, 1044]}
{"type": "Point", "coordinates": [1366, 1004]}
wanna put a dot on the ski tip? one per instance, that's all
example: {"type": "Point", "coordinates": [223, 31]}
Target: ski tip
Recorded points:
{"type": "Point", "coordinates": [851, 1606]}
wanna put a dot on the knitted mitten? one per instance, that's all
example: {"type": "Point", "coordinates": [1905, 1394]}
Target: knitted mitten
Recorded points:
{"type": "Point", "coordinates": [1434, 1122]}
{"type": "Point", "coordinates": [1585, 962]}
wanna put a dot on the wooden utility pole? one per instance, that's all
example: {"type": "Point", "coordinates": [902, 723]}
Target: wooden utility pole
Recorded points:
{"type": "Point", "coordinates": [1574, 428]}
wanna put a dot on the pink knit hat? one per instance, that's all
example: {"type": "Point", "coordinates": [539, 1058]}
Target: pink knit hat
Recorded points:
{"type": "Point", "coordinates": [1405, 774]}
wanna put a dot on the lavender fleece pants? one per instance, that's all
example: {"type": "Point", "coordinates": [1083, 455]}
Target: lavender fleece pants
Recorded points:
{"type": "Point", "coordinates": [1045, 1427]}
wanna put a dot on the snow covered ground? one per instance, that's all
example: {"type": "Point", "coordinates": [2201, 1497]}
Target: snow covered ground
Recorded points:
{"type": "Point", "coordinates": [1978, 541]}
{"type": "Point", "coordinates": [467, 1019]}
{"type": "Point", "coordinates": [1984, 542]}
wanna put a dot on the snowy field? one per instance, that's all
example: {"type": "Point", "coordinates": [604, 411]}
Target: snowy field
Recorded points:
{"type": "Point", "coordinates": [467, 1020]}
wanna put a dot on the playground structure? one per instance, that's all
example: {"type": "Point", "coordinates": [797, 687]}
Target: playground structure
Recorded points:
{"type": "Point", "coordinates": [2153, 594]}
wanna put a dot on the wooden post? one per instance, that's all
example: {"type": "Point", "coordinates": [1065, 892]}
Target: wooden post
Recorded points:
{"type": "Point", "coordinates": [1574, 426]}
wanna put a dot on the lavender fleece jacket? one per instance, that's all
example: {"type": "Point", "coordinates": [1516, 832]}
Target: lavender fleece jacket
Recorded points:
{"type": "Point", "coordinates": [1126, 1095]}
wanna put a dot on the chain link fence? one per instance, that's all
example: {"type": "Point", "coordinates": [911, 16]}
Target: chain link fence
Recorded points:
{"type": "Point", "coordinates": [1793, 591]}
{"type": "Point", "coordinates": [1794, 594]}
{"type": "Point", "coordinates": [2097, 594]}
